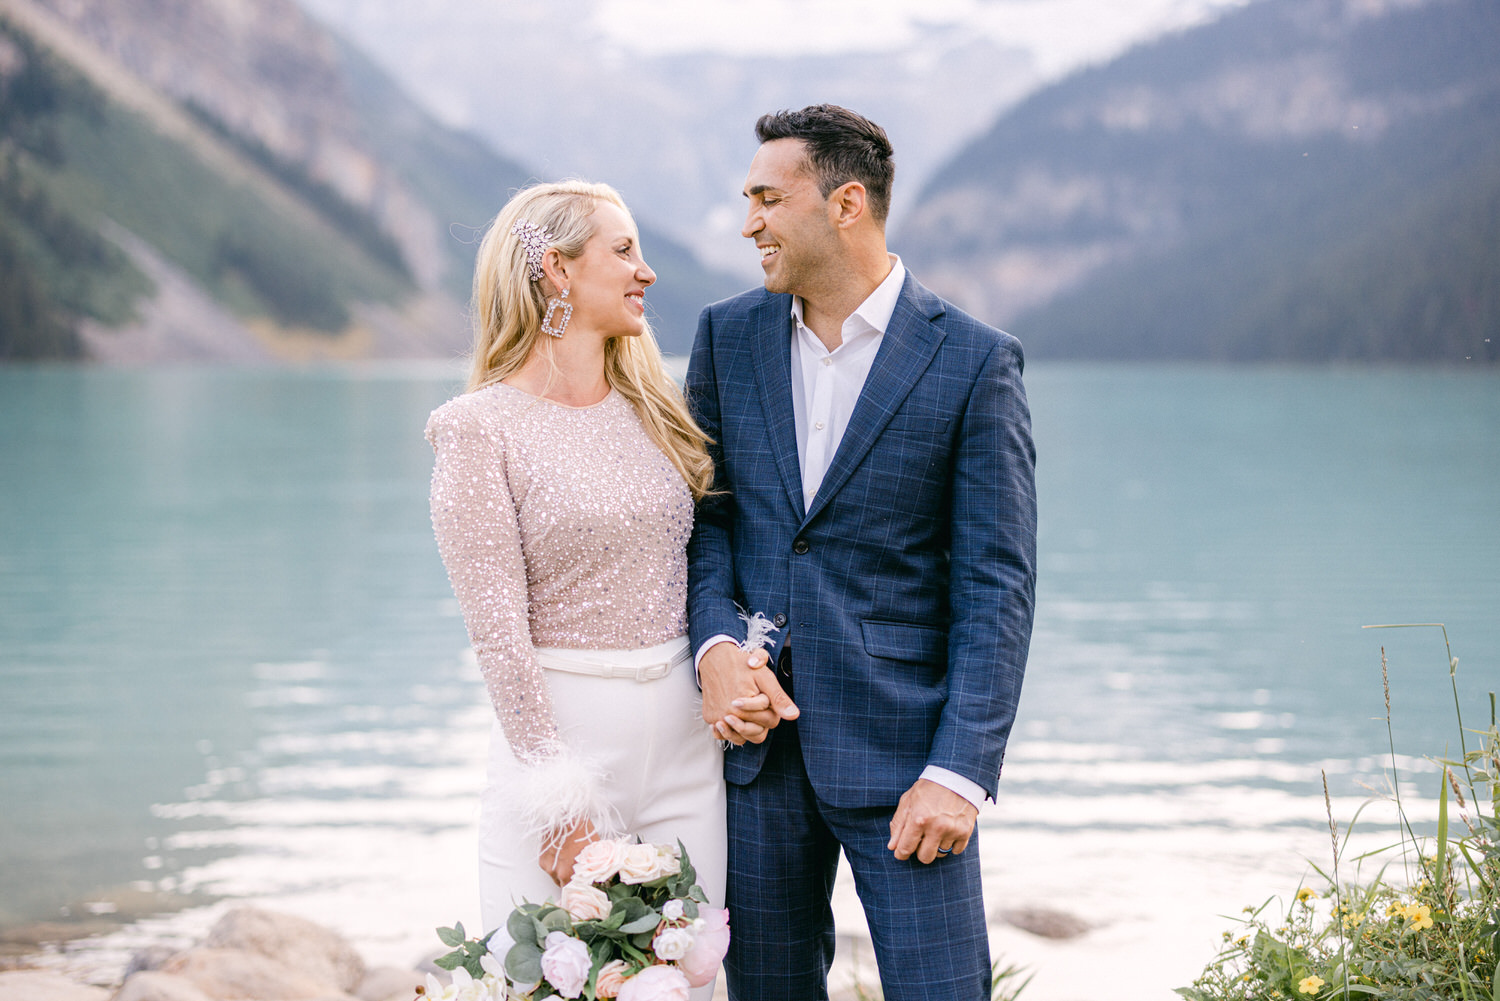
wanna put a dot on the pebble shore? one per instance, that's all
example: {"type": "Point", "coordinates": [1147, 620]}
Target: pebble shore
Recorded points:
{"type": "Point", "coordinates": [249, 955]}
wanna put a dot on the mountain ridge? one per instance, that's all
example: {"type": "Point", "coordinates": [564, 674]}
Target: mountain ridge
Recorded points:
{"type": "Point", "coordinates": [241, 149]}
{"type": "Point", "coordinates": [1228, 193]}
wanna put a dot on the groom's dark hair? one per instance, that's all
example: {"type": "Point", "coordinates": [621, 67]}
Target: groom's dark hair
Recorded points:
{"type": "Point", "coordinates": [842, 146]}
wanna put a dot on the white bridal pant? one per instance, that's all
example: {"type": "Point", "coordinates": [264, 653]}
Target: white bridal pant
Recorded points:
{"type": "Point", "coordinates": [665, 775]}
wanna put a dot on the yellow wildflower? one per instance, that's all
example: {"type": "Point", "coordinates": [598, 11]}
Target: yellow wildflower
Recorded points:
{"type": "Point", "coordinates": [1394, 909]}
{"type": "Point", "coordinates": [1304, 894]}
{"type": "Point", "coordinates": [1353, 920]}
{"type": "Point", "coordinates": [1420, 917]}
{"type": "Point", "coordinates": [1310, 985]}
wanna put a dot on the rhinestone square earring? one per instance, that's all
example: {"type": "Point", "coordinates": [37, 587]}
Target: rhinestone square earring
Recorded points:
{"type": "Point", "coordinates": [552, 306]}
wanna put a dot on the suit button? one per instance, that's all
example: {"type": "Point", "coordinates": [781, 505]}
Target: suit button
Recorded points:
{"type": "Point", "coordinates": [800, 547]}
{"type": "Point", "coordinates": [779, 621]}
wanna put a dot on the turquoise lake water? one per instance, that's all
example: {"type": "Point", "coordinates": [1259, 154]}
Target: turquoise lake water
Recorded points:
{"type": "Point", "coordinates": [230, 663]}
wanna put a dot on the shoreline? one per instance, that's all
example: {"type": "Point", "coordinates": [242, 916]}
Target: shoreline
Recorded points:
{"type": "Point", "coordinates": [1146, 906]}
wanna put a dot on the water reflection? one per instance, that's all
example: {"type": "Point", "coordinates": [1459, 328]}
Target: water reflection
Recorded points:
{"type": "Point", "coordinates": [232, 666]}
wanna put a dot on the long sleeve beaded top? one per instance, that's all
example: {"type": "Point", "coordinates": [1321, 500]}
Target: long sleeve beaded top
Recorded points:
{"type": "Point", "coordinates": [559, 527]}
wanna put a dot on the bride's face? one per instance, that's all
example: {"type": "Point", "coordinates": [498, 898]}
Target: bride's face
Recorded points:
{"type": "Point", "coordinates": [608, 280]}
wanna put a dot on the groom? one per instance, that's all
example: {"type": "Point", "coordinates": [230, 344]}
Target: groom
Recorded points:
{"type": "Point", "coordinates": [876, 503]}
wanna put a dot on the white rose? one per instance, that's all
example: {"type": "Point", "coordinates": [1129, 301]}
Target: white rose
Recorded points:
{"type": "Point", "coordinates": [638, 864]}
{"type": "Point", "coordinates": [566, 964]}
{"type": "Point", "coordinates": [672, 943]}
{"type": "Point", "coordinates": [672, 910]}
{"type": "Point", "coordinates": [645, 863]}
{"type": "Point", "coordinates": [667, 860]}
{"type": "Point", "coordinates": [599, 861]}
{"type": "Point", "coordinates": [585, 902]}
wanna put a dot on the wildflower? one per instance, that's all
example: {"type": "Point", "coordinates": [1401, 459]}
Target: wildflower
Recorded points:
{"type": "Point", "coordinates": [1305, 894]}
{"type": "Point", "coordinates": [1242, 941]}
{"type": "Point", "coordinates": [1353, 920]}
{"type": "Point", "coordinates": [1394, 909]}
{"type": "Point", "coordinates": [1420, 916]}
{"type": "Point", "coordinates": [1310, 985]}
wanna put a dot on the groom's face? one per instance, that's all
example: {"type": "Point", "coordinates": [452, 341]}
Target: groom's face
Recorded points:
{"type": "Point", "coordinates": [788, 218]}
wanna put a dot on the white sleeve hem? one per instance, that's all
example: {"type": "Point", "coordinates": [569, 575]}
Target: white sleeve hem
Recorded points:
{"type": "Point", "coordinates": [954, 782]}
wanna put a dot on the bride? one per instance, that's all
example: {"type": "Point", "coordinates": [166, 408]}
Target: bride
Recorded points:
{"type": "Point", "coordinates": [562, 500]}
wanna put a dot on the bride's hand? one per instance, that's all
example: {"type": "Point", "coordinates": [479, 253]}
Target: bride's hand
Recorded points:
{"type": "Point", "coordinates": [560, 851]}
{"type": "Point", "coordinates": [742, 700]}
{"type": "Point", "coordinates": [737, 723]}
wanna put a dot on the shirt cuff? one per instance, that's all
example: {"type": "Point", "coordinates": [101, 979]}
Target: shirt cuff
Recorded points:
{"type": "Point", "coordinates": [707, 644]}
{"type": "Point", "coordinates": [954, 782]}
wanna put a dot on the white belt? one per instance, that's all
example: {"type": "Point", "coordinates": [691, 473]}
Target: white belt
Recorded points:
{"type": "Point", "coordinates": [638, 665]}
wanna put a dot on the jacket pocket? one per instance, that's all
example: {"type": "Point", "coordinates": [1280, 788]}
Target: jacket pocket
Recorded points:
{"type": "Point", "coordinates": [924, 425]}
{"type": "Point", "coordinates": [905, 641]}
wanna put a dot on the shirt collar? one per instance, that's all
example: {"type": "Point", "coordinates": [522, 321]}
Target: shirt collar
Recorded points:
{"type": "Point", "coordinates": [876, 311]}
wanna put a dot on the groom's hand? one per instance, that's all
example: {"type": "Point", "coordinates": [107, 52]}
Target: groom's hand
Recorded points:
{"type": "Point", "coordinates": [928, 818]}
{"type": "Point", "coordinates": [742, 700]}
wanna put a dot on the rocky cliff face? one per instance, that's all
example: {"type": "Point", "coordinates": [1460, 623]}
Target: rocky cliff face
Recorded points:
{"type": "Point", "coordinates": [269, 75]}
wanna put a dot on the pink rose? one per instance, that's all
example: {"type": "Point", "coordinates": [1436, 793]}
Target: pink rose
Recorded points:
{"type": "Point", "coordinates": [585, 902]}
{"type": "Point", "coordinates": [566, 963]}
{"type": "Point", "coordinates": [655, 983]}
{"type": "Point", "coordinates": [611, 979]}
{"type": "Point", "coordinates": [598, 862]}
{"type": "Point", "coordinates": [710, 942]}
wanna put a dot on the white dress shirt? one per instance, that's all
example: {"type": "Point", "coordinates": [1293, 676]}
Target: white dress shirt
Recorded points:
{"type": "Point", "coordinates": [825, 387]}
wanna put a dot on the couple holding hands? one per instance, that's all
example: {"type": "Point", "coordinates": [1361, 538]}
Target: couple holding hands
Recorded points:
{"type": "Point", "coordinates": [781, 619]}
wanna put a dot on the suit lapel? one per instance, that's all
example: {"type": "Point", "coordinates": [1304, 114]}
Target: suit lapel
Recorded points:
{"type": "Point", "coordinates": [771, 334]}
{"type": "Point", "coordinates": [905, 352]}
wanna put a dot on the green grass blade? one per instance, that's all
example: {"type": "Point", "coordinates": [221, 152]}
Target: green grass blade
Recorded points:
{"type": "Point", "coordinates": [1442, 839]}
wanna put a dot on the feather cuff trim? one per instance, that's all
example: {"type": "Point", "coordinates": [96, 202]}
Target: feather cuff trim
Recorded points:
{"type": "Point", "coordinates": [556, 791]}
{"type": "Point", "coordinates": [758, 630]}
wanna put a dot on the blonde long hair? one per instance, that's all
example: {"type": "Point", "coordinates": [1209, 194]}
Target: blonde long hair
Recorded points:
{"type": "Point", "coordinates": [508, 308]}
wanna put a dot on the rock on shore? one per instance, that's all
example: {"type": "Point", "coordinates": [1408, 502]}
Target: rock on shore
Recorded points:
{"type": "Point", "coordinates": [249, 955]}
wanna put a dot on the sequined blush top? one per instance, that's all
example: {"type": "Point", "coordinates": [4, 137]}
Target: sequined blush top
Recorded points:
{"type": "Point", "coordinates": [560, 527]}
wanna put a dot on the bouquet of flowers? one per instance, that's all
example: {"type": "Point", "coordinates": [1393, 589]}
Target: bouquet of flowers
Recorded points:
{"type": "Point", "coordinates": [631, 924]}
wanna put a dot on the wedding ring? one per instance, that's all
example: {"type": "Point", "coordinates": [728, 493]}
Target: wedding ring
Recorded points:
{"type": "Point", "coordinates": [945, 851]}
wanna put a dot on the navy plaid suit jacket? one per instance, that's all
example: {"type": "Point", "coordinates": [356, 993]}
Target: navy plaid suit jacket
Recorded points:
{"type": "Point", "coordinates": [909, 584]}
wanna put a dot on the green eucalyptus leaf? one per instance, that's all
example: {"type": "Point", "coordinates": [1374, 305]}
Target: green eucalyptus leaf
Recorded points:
{"type": "Point", "coordinates": [644, 923]}
{"type": "Point", "coordinates": [522, 927]}
{"type": "Point", "coordinates": [556, 919]}
{"type": "Point", "coordinates": [451, 937]}
{"type": "Point", "coordinates": [523, 963]}
{"type": "Point", "coordinates": [448, 962]}
{"type": "Point", "coordinates": [634, 908]}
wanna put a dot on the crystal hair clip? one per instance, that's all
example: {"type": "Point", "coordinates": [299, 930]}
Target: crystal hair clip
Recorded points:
{"type": "Point", "coordinates": [536, 240]}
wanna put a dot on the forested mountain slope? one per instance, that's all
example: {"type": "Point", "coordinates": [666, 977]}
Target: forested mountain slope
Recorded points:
{"type": "Point", "coordinates": [1302, 180]}
{"type": "Point", "coordinates": [229, 181]}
